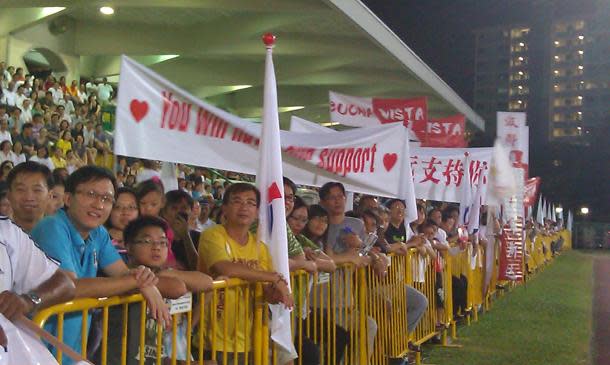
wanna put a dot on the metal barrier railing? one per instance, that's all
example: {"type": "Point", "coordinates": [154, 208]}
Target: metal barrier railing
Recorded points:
{"type": "Point", "coordinates": [351, 316]}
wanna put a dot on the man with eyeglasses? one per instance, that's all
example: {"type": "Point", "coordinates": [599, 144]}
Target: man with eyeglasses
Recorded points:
{"type": "Point", "coordinates": [232, 250]}
{"type": "Point", "coordinates": [76, 237]}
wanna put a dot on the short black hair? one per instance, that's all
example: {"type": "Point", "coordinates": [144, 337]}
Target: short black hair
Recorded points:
{"type": "Point", "coordinates": [134, 227]}
{"type": "Point", "coordinates": [86, 174]}
{"type": "Point", "coordinates": [316, 210]}
{"type": "Point", "coordinates": [240, 188]}
{"type": "Point", "coordinates": [149, 186]}
{"type": "Point", "coordinates": [299, 203]}
{"type": "Point", "coordinates": [26, 126]}
{"type": "Point", "coordinates": [290, 184]}
{"type": "Point", "coordinates": [325, 189]}
{"type": "Point", "coordinates": [30, 167]}
{"type": "Point", "coordinates": [392, 201]}
{"type": "Point", "coordinates": [58, 179]}
{"type": "Point", "coordinates": [372, 214]}
{"type": "Point", "coordinates": [176, 196]}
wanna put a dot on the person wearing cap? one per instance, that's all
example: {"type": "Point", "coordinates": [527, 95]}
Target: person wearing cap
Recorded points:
{"type": "Point", "coordinates": [204, 222]}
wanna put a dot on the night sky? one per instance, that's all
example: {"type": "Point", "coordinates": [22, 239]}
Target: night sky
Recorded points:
{"type": "Point", "coordinates": [441, 33]}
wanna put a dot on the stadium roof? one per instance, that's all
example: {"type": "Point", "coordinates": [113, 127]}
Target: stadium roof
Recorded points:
{"type": "Point", "coordinates": [213, 49]}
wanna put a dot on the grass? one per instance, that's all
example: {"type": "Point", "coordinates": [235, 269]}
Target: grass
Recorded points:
{"type": "Point", "coordinates": [549, 321]}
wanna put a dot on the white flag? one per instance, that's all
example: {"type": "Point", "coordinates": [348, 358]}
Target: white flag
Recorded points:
{"type": "Point", "coordinates": [272, 213]}
{"type": "Point", "coordinates": [169, 178]}
{"type": "Point", "coordinates": [570, 221]}
{"type": "Point", "coordinates": [553, 213]}
{"type": "Point", "coordinates": [466, 192]}
{"type": "Point", "coordinates": [474, 215]}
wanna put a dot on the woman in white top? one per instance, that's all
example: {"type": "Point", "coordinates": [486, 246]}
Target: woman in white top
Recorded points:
{"type": "Point", "coordinates": [42, 157]}
{"type": "Point", "coordinates": [6, 152]}
{"type": "Point", "coordinates": [18, 155]}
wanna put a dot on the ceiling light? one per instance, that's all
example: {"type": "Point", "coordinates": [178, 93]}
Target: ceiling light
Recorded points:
{"type": "Point", "coordinates": [520, 73]}
{"type": "Point", "coordinates": [556, 72]}
{"type": "Point", "coordinates": [579, 113]}
{"type": "Point", "coordinates": [520, 87]}
{"type": "Point", "coordinates": [556, 43]}
{"type": "Point", "coordinates": [581, 37]}
{"type": "Point", "coordinates": [556, 86]}
{"type": "Point", "coordinates": [580, 67]}
{"type": "Point", "coordinates": [106, 10]}
{"type": "Point", "coordinates": [520, 58]}
{"type": "Point", "coordinates": [46, 11]}
{"type": "Point", "coordinates": [581, 52]}
{"type": "Point", "coordinates": [519, 101]}
{"type": "Point", "coordinates": [557, 57]}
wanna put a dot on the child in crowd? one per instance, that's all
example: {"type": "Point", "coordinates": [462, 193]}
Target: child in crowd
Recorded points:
{"type": "Point", "coordinates": [147, 244]}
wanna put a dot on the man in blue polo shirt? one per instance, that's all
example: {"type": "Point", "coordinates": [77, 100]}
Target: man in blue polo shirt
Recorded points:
{"type": "Point", "coordinates": [76, 237]}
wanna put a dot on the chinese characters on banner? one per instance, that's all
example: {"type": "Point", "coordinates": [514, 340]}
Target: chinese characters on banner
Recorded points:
{"type": "Point", "coordinates": [175, 126]}
{"type": "Point", "coordinates": [438, 173]}
{"type": "Point", "coordinates": [514, 134]}
{"type": "Point", "coordinates": [512, 240]}
{"type": "Point", "coordinates": [531, 191]}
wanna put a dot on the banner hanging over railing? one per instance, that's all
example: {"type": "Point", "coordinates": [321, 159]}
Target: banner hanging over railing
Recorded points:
{"type": "Point", "coordinates": [157, 120]}
{"type": "Point", "coordinates": [438, 173]}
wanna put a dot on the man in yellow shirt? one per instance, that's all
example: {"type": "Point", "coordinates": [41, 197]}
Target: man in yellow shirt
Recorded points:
{"type": "Point", "coordinates": [230, 250]}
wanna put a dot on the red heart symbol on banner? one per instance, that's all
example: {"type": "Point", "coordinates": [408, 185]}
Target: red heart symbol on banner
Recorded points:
{"type": "Point", "coordinates": [389, 160]}
{"type": "Point", "coordinates": [139, 109]}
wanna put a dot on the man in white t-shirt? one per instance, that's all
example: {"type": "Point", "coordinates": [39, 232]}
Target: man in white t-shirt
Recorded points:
{"type": "Point", "coordinates": [20, 96]}
{"type": "Point", "coordinates": [29, 280]}
{"type": "Point", "coordinates": [104, 92]}
{"type": "Point", "coordinates": [5, 134]}
{"type": "Point", "coordinates": [57, 93]}
{"type": "Point", "coordinates": [10, 94]}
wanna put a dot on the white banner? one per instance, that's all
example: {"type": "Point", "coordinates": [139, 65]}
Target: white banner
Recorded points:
{"type": "Point", "coordinates": [352, 110]}
{"type": "Point", "coordinates": [438, 172]}
{"type": "Point", "coordinates": [513, 132]}
{"type": "Point", "coordinates": [157, 120]}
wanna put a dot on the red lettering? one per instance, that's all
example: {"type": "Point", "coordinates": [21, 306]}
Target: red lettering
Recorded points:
{"type": "Point", "coordinates": [373, 149]}
{"type": "Point", "coordinates": [176, 114]}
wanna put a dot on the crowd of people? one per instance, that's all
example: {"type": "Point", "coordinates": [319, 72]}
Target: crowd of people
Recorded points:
{"type": "Point", "coordinates": [114, 233]}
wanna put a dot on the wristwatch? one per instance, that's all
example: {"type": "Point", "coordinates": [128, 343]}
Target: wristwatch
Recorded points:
{"type": "Point", "coordinates": [34, 298]}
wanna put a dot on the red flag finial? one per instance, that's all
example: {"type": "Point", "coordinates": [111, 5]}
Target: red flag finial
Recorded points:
{"type": "Point", "coordinates": [269, 40]}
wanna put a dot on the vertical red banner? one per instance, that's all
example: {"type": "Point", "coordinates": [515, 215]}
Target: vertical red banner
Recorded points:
{"type": "Point", "coordinates": [511, 252]}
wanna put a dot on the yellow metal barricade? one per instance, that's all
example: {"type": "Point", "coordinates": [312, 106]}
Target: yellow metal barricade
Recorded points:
{"type": "Point", "coordinates": [330, 314]}
{"type": "Point", "coordinates": [224, 329]}
{"type": "Point", "coordinates": [386, 304]}
{"type": "Point", "coordinates": [423, 278]}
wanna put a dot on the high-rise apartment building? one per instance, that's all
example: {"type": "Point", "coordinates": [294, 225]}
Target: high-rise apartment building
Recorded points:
{"type": "Point", "coordinates": [558, 71]}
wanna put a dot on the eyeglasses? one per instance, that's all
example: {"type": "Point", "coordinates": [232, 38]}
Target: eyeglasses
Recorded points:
{"type": "Point", "coordinates": [289, 198]}
{"type": "Point", "coordinates": [92, 195]}
{"type": "Point", "coordinates": [149, 242]}
{"type": "Point", "coordinates": [335, 197]}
